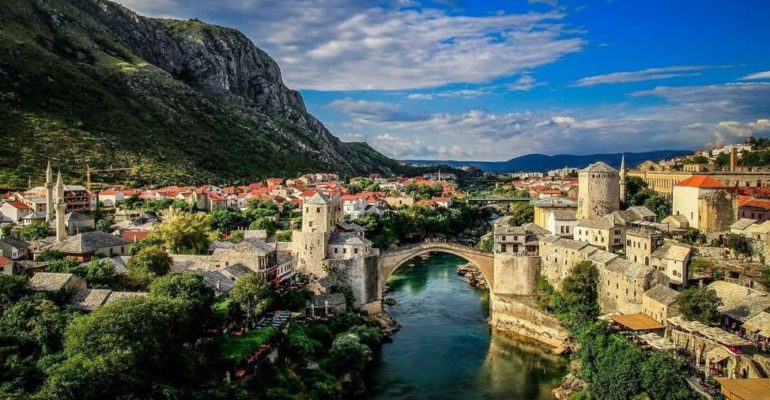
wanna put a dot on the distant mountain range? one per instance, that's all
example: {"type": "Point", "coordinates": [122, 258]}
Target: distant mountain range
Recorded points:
{"type": "Point", "coordinates": [542, 162]}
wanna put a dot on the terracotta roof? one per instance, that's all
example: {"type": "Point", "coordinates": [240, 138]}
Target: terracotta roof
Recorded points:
{"type": "Point", "coordinates": [5, 261]}
{"type": "Point", "coordinates": [132, 236]}
{"type": "Point", "coordinates": [703, 182]}
{"type": "Point", "coordinates": [17, 204]}
{"type": "Point", "coordinates": [757, 203]}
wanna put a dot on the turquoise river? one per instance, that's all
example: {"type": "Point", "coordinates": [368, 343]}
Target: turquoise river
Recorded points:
{"type": "Point", "coordinates": [445, 349]}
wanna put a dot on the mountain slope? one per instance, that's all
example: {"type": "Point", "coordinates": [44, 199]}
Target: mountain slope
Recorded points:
{"type": "Point", "coordinates": [91, 82]}
{"type": "Point", "coordinates": [542, 162]}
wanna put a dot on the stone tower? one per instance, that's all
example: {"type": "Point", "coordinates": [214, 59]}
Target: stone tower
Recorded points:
{"type": "Point", "coordinates": [598, 191]}
{"type": "Point", "coordinates": [49, 192]}
{"type": "Point", "coordinates": [320, 215]}
{"type": "Point", "coordinates": [61, 229]}
{"type": "Point", "coordinates": [623, 179]}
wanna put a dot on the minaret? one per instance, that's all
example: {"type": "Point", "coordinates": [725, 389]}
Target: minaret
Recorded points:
{"type": "Point", "coordinates": [623, 178]}
{"type": "Point", "coordinates": [49, 192]}
{"type": "Point", "coordinates": [61, 230]}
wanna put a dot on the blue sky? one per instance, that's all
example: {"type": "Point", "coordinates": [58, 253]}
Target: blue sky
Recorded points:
{"type": "Point", "coordinates": [472, 80]}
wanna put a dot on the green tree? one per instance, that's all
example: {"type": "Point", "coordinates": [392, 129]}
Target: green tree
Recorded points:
{"type": "Point", "coordinates": [100, 273]}
{"type": "Point", "coordinates": [663, 378]}
{"type": "Point", "coordinates": [149, 241]}
{"type": "Point", "coordinates": [349, 354]}
{"type": "Point", "coordinates": [12, 288]}
{"type": "Point", "coordinates": [699, 304]}
{"type": "Point", "coordinates": [522, 213]}
{"type": "Point", "coordinates": [252, 292]}
{"type": "Point", "coordinates": [103, 225]}
{"type": "Point", "coordinates": [227, 220]}
{"type": "Point", "coordinates": [35, 231]}
{"type": "Point", "coordinates": [486, 243]}
{"type": "Point", "coordinates": [190, 289]}
{"type": "Point", "coordinates": [267, 224]}
{"type": "Point", "coordinates": [123, 349]}
{"type": "Point", "coordinates": [634, 184]}
{"type": "Point", "coordinates": [185, 233]}
{"type": "Point", "coordinates": [740, 244]}
{"type": "Point", "coordinates": [148, 264]}
{"type": "Point", "coordinates": [580, 292]}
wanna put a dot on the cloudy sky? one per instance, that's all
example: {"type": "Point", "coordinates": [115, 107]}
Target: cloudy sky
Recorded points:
{"type": "Point", "coordinates": [491, 80]}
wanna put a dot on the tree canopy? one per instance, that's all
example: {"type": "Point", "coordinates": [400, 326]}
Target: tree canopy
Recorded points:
{"type": "Point", "coordinates": [699, 304]}
{"type": "Point", "coordinates": [185, 233]}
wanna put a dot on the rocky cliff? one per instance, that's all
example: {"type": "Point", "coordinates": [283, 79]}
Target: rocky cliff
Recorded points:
{"type": "Point", "coordinates": [91, 82]}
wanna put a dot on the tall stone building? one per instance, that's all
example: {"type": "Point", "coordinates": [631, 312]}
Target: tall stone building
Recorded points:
{"type": "Point", "coordinates": [336, 253]}
{"type": "Point", "coordinates": [598, 191]}
{"type": "Point", "coordinates": [320, 214]}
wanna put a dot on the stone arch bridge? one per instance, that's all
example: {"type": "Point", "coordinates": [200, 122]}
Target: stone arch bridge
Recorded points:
{"type": "Point", "coordinates": [392, 259]}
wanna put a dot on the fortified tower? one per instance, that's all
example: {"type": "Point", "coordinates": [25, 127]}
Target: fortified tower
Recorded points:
{"type": "Point", "coordinates": [320, 215]}
{"type": "Point", "coordinates": [49, 192]}
{"type": "Point", "coordinates": [61, 230]}
{"type": "Point", "coordinates": [598, 191]}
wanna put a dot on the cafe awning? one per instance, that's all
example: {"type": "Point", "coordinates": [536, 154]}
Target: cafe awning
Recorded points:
{"type": "Point", "coordinates": [746, 389]}
{"type": "Point", "coordinates": [637, 322]}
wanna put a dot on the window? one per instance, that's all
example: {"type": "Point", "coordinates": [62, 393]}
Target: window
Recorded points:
{"type": "Point", "coordinates": [503, 238]}
{"type": "Point", "coordinates": [318, 209]}
{"type": "Point", "coordinates": [355, 251]}
{"type": "Point", "coordinates": [336, 250]}
{"type": "Point", "coordinates": [344, 250]}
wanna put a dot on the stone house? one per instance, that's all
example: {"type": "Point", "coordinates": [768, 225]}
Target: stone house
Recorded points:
{"type": "Point", "coordinates": [641, 243]}
{"type": "Point", "coordinates": [758, 209]}
{"type": "Point", "coordinates": [84, 246]}
{"type": "Point", "coordinates": [543, 207]}
{"type": "Point", "coordinates": [76, 223]}
{"type": "Point", "coordinates": [606, 232]}
{"type": "Point", "coordinates": [660, 303]}
{"type": "Point", "coordinates": [561, 221]}
{"type": "Point", "coordinates": [324, 305]}
{"type": "Point", "coordinates": [55, 281]}
{"type": "Point", "coordinates": [520, 240]}
{"type": "Point", "coordinates": [13, 248]}
{"type": "Point", "coordinates": [704, 202]}
{"type": "Point", "coordinates": [399, 201]}
{"type": "Point", "coordinates": [14, 211]}
{"type": "Point", "coordinates": [673, 260]}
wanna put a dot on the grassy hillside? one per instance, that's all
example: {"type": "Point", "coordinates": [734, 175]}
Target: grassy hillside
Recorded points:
{"type": "Point", "coordinates": [73, 92]}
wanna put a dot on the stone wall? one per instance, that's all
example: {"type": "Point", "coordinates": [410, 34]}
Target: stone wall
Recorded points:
{"type": "Point", "coordinates": [519, 315]}
{"type": "Point", "coordinates": [515, 275]}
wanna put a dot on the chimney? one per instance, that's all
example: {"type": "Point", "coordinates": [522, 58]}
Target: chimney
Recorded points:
{"type": "Point", "coordinates": [733, 159]}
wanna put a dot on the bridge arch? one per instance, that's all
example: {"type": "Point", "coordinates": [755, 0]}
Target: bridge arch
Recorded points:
{"type": "Point", "coordinates": [391, 260]}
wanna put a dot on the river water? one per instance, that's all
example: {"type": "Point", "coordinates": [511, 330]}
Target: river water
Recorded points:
{"type": "Point", "coordinates": [445, 349]}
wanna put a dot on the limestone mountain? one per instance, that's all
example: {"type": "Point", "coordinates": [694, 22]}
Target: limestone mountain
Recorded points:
{"type": "Point", "coordinates": [91, 82]}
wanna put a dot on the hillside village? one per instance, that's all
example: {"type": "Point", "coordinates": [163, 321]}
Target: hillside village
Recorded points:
{"type": "Point", "coordinates": [708, 230]}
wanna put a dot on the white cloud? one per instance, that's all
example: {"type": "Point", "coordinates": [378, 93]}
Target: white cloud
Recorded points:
{"type": "Point", "coordinates": [757, 75]}
{"type": "Point", "coordinates": [525, 83]}
{"type": "Point", "coordinates": [641, 76]}
{"type": "Point", "coordinates": [358, 45]}
{"type": "Point", "coordinates": [452, 94]}
{"type": "Point", "coordinates": [692, 117]}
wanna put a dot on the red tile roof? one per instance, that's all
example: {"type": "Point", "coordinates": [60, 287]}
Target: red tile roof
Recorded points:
{"type": "Point", "coordinates": [703, 182]}
{"type": "Point", "coordinates": [17, 204]}
{"type": "Point", "coordinates": [133, 236]}
{"type": "Point", "coordinates": [5, 261]}
{"type": "Point", "coordinates": [757, 203]}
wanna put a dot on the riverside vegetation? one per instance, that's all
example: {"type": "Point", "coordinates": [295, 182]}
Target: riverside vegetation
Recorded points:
{"type": "Point", "coordinates": [613, 367]}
